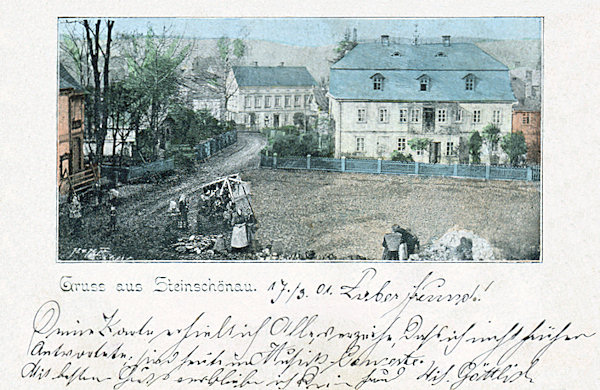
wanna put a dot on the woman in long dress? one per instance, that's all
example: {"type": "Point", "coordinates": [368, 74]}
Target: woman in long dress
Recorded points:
{"type": "Point", "coordinates": [239, 233]}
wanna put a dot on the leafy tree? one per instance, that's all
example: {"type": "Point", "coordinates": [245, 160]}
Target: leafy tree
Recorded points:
{"type": "Point", "coordinates": [299, 119]}
{"type": "Point", "coordinates": [514, 146]}
{"type": "Point", "coordinates": [153, 64]}
{"type": "Point", "coordinates": [419, 144]}
{"type": "Point", "coordinates": [463, 151]}
{"type": "Point", "coordinates": [344, 46]}
{"type": "Point", "coordinates": [121, 105]}
{"type": "Point", "coordinates": [491, 134]}
{"type": "Point", "coordinates": [475, 143]}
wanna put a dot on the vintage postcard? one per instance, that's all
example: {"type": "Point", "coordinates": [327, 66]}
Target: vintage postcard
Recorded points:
{"type": "Point", "coordinates": [239, 195]}
{"type": "Point", "coordinates": [270, 139]}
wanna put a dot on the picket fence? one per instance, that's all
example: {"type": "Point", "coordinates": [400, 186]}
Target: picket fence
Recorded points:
{"type": "Point", "coordinates": [488, 172]}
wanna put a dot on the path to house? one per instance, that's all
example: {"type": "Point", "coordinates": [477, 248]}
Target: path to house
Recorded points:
{"type": "Point", "coordinates": [142, 208]}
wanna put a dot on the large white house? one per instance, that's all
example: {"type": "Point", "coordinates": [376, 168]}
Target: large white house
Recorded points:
{"type": "Point", "coordinates": [270, 96]}
{"type": "Point", "coordinates": [384, 94]}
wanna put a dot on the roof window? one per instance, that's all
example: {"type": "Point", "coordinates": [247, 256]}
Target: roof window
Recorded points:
{"type": "Point", "coordinates": [377, 81]}
{"type": "Point", "coordinates": [441, 54]}
{"type": "Point", "coordinates": [424, 82]}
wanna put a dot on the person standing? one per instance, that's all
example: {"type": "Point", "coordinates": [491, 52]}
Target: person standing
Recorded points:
{"type": "Point", "coordinates": [239, 232]}
{"type": "Point", "coordinates": [183, 211]}
{"type": "Point", "coordinates": [75, 214]}
{"type": "Point", "coordinates": [113, 219]}
{"type": "Point", "coordinates": [391, 244]}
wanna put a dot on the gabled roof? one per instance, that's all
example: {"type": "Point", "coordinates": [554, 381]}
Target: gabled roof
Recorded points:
{"type": "Point", "coordinates": [66, 81]}
{"type": "Point", "coordinates": [458, 56]}
{"type": "Point", "coordinates": [273, 76]}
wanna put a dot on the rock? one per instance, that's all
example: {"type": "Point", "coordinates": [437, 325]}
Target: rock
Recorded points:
{"type": "Point", "coordinates": [454, 245]}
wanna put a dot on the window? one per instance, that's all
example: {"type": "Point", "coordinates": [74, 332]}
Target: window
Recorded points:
{"type": "Point", "coordinates": [257, 101]}
{"type": "Point", "coordinates": [383, 115]}
{"type": "Point", "coordinates": [449, 148]}
{"type": "Point", "coordinates": [415, 115]}
{"type": "Point", "coordinates": [277, 101]}
{"type": "Point", "coordinates": [360, 144]}
{"type": "Point", "coordinates": [377, 82]}
{"type": "Point", "coordinates": [469, 82]}
{"type": "Point", "coordinates": [267, 101]}
{"type": "Point", "coordinates": [306, 100]}
{"type": "Point", "coordinates": [288, 101]}
{"type": "Point", "coordinates": [526, 118]}
{"type": "Point", "coordinates": [477, 116]}
{"type": "Point", "coordinates": [267, 120]}
{"type": "Point", "coordinates": [441, 115]}
{"type": "Point", "coordinates": [362, 115]}
{"type": "Point", "coordinates": [458, 115]}
{"type": "Point", "coordinates": [497, 117]}
{"type": "Point", "coordinates": [248, 102]}
{"type": "Point", "coordinates": [296, 100]}
{"type": "Point", "coordinates": [424, 84]}
{"type": "Point", "coordinates": [401, 144]}
{"type": "Point", "coordinates": [403, 115]}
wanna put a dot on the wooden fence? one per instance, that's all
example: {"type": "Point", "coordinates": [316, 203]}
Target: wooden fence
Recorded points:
{"type": "Point", "coordinates": [204, 150]}
{"type": "Point", "coordinates": [488, 172]}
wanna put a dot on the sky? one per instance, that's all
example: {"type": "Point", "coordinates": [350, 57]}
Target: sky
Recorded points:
{"type": "Point", "coordinates": [328, 31]}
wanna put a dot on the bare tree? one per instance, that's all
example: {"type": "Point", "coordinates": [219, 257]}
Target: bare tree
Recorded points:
{"type": "Point", "coordinates": [99, 121]}
{"type": "Point", "coordinates": [215, 70]}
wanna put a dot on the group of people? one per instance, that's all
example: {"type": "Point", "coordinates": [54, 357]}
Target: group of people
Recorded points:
{"type": "Point", "coordinates": [96, 201]}
{"type": "Point", "coordinates": [399, 244]}
{"type": "Point", "coordinates": [222, 205]}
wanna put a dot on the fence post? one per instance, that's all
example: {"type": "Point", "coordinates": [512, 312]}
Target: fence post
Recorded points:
{"type": "Point", "coordinates": [308, 161]}
{"type": "Point", "coordinates": [274, 160]}
{"type": "Point", "coordinates": [487, 171]}
{"type": "Point", "coordinates": [343, 163]}
{"type": "Point", "coordinates": [529, 174]}
{"type": "Point", "coordinates": [379, 165]}
{"type": "Point", "coordinates": [455, 173]}
{"type": "Point", "coordinates": [416, 168]}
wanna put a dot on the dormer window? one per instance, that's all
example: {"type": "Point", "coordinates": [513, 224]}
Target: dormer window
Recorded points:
{"type": "Point", "coordinates": [424, 82]}
{"type": "Point", "coordinates": [441, 54]}
{"type": "Point", "coordinates": [469, 82]}
{"type": "Point", "coordinates": [377, 81]}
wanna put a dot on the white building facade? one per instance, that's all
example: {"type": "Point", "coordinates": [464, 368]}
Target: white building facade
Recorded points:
{"type": "Point", "coordinates": [271, 96]}
{"type": "Point", "coordinates": [383, 95]}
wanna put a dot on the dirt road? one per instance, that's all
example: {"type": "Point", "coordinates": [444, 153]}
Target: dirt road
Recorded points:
{"type": "Point", "coordinates": [141, 212]}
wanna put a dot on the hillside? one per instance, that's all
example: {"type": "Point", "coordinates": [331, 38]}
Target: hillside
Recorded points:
{"type": "Point", "coordinates": [511, 53]}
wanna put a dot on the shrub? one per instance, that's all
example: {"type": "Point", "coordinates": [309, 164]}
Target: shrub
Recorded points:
{"type": "Point", "coordinates": [399, 156]}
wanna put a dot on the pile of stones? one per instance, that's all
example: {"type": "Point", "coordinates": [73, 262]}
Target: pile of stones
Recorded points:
{"type": "Point", "coordinates": [457, 245]}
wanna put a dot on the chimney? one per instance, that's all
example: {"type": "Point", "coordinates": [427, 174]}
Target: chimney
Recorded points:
{"type": "Point", "coordinates": [446, 40]}
{"type": "Point", "coordinates": [354, 34]}
{"type": "Point", "coordinates": [255, 63]}
{"type": "Point", "coordinates": [281, 64]}
{"type": "Point", "coordinates": [385, 40]}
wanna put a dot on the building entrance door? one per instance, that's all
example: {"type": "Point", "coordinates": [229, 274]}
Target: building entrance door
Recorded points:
{"type": "Point", "coordinates": [428, 119]}
{"type": "Point", "coordinates": [275, 120]}
{"type": "Point", "coordinates": [435, 152]}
